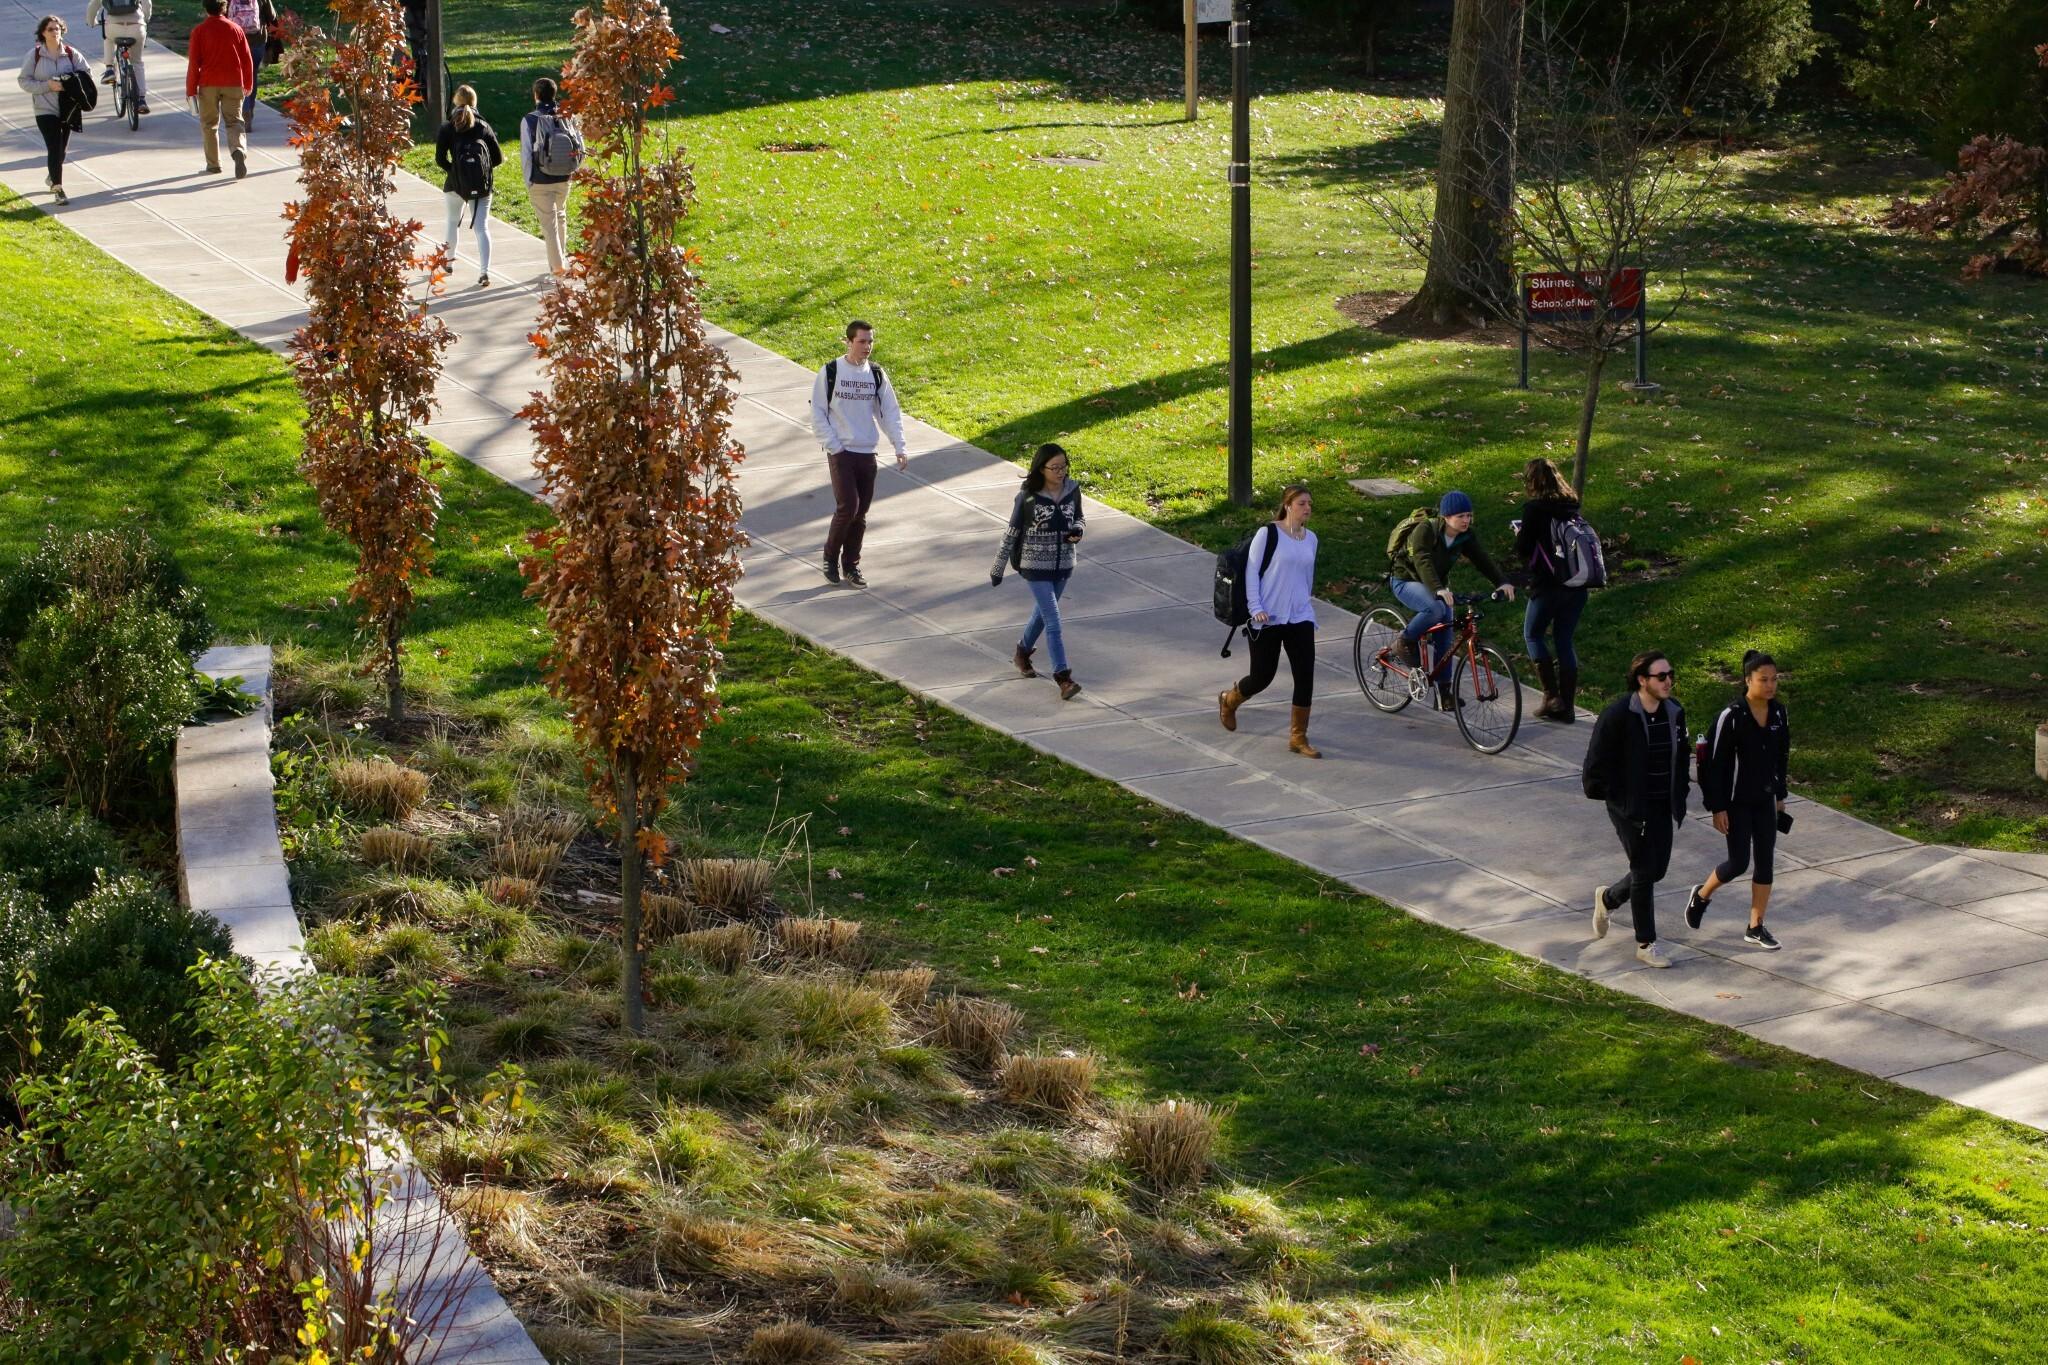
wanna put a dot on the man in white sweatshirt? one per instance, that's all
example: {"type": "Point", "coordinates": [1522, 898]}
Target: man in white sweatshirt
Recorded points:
{"type": "Point", "coordinates": [124, 19]}
{"type": "Point", "coordinates": [852, 405]}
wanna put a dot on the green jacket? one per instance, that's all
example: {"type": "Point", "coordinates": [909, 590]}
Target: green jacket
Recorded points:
{"type": "Point", "coordinates": [1425, 557]}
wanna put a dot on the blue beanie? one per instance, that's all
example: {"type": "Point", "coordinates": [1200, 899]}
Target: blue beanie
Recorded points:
{"type": "Point", "coordinates": [1453, 504]}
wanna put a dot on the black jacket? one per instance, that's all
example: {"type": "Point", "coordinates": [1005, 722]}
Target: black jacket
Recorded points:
{"type": "Point", "coordinates": [1539, 515]}
{"type": "Point", "coordinates": [1617, 766]}
{"type": "Point", "coordinates": [448, 139]}
{"type": "Point", "coordinates": [1746, 761]}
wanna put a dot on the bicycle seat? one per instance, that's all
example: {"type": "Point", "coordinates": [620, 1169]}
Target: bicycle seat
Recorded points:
{"type": "Point", "coordinates": [123, 44]}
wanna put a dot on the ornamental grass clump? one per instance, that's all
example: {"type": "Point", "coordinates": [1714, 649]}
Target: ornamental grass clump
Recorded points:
{"type": "Point", "coordinates": [906, 987]}
{"type": "Point", "coordinates": [520, 891]}
{"type": "Point", "coordinates": [399, 850]}
{"type": "Point", "coordinates": [1061, 1084]}
{"type": "Point", "coordinates": [829, 940]}
{"type": "Point", "coordinates": [380, 787]}
{"type": "Point", "coordinates": [727, 948]}
{"type": "Point", "coordinates": [978, 1031]}
{"type": "Point", "coordinates": [737, 888]}
{"type": "Point", "coordinates": [1167, 1144]}
{"type": "Point", "coordinates": [792, 1343]}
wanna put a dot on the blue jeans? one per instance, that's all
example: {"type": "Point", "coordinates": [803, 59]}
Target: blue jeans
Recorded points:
{"type": "Point", "coordinates": [1045, 620]}
{"type": "Point", "coordinates": [1554, 610]}
{"type": "Point", "coordinates": [1430, 612]}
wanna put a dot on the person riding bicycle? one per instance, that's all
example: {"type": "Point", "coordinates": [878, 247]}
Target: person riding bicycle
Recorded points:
{"type": "Point", "coordinates": [1420, 558]}
{"type": "Point", "coordinates": [118, 19]}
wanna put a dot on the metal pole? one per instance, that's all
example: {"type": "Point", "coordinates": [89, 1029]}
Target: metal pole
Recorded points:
{"type": "Point", "coordinates": [1523, 382]}
{"type": "Point", "coordinates": [1643, 340]}
{"type": "Point", "coordinates": [1240, 254]}
{"type": "Point", "coordinates": [1188, 20]}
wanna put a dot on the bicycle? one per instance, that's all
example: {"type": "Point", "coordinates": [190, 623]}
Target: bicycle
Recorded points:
{"type": "Point", "coordinates": [127, 101]}
{"type": "Point", "coordinates": [1483, 681]}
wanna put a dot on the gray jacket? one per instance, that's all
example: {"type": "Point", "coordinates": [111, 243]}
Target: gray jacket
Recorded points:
{"type": "Point", "coordinates": [39, 68]}
{"type": "Point", "coordinates": [1036, 543]}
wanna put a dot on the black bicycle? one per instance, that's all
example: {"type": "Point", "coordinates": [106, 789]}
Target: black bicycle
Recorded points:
{"type": "Point", "coordinates": [127, 93]}
{"type": "Point", "coordinates": [1487, 695]}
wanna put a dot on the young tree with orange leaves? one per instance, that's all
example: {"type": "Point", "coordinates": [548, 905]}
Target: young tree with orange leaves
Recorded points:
{"type": "Point", "coordinates": [368, 356]}
{"type": "Point", "coordinates": [635, 452]}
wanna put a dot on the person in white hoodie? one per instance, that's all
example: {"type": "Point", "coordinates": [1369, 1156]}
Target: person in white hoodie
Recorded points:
{"type": "Point", "coordinates": [852, 405]}
{"type": "Point", "coordinates": [123, 19]}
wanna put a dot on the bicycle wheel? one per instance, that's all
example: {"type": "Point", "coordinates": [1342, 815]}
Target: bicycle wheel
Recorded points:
{"type": "Point", "coordinates": [1489, 700]}
{"type": "Point", "coordinates": [134, 104]}
{"type": "Point", "coordinates": [1383, 682]}
{"type": "Point", "coordinates": [121, 96]}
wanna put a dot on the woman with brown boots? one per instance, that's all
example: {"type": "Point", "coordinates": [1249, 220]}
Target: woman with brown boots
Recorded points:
{"type": "Point", "coordinates": [1282, 601]}
{"type": "Point", "coordinates": [1553, 607]}
{"type": "Point", "coordinates": [1045, 526]}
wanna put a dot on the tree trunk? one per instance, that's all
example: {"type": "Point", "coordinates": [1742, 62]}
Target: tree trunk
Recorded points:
{"type": "Point", "coordinates": [1591, 401]}
{"type": "Point", "coordinates": [394, 684]}
{"type": "Point", "coordinates": [630, 861]}
{"type": "Point", "coordinates": [1470, 275]}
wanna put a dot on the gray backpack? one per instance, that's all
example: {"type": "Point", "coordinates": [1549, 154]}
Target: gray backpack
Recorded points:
{"type": "Point", "coordinates": [557, 146]}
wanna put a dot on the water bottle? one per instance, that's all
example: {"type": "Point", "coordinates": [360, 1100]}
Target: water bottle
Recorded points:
{"type": "Point", "coordinates": [1699, 756]}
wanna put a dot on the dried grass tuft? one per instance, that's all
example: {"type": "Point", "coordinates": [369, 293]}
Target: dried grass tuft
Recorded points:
{"type": "Point", "coordinates": [827, 940]}
{"type": "Point", "coordinates": [726, 948]}
{"type": "Point", "coordinates": [1059, 1084]}
{"type": "Point", "coordinates": [1114, 1319]}
{"type": "Point", "coordinates": [1168, 1143]}
{"type": "Point", "coordinates": [513, 891]}
{"type": "Point", "coordinates": [975, 1029]}
{"type": "Point", "coordinates": [397, 849]}
{"type": "Point", "coordinates": [538, 825]}
{"type": "Point", "coordinates": [738, 888]}
{"type": "Point", "coordinates": [533, 859]}
{"type": "Point", "coordinates": [664, 916]}
{"type": "Point", "coordinates": [792, 1343]}
{"type": "Point", "coordinates": [963, 1347]}
{"type": "Point", "coordinates": [905, 987]}
{"type": "Point", "coordinates": [378, 786]}
{"type": "Point", "coordinates": [882, 1296]}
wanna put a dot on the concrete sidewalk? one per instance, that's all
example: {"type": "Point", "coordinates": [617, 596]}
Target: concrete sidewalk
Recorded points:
{"type": "Point", "coordinates": [1926, 965]}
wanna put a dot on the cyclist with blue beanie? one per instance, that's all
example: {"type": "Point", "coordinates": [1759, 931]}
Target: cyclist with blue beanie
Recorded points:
{"type": "Point", "coordinates": [1420, 560]}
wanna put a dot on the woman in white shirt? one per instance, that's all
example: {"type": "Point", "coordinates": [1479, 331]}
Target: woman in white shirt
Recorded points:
{"type": "Point", "coordinates": [1282, 600]}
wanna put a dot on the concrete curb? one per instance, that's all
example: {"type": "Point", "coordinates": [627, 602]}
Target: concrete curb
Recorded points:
{"type": "Point", "coordinates": [231, 865]}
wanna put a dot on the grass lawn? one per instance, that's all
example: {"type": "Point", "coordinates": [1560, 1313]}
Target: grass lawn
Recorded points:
{"type": "Point", "coordinates": [1847, 466]}
{"type": "Point", "coordinates": [1607, 1181]}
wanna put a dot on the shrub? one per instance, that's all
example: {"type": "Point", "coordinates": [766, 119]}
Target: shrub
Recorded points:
{"type": "Point", "coordinates": [1061, 1084]}
{"type": "Point", "coordinates": [1957, 69]}
{"type": "Point", "coordinates": [59, 854]}
{"type": "Point", "coordinates": [1733, 51]}
{"type": "Point", "coordinates": [102, 688]}
{"type": "Point", "coordinates": [125, 947]}
{"type": "Point", "coordinates": [1168, 1143]}
{"type": "Point", "coordinates": [380, 787]}
{"type": "Point", "coordinates": [977, 1030]}
{"type": "Point", "coordinates": [107, 566]}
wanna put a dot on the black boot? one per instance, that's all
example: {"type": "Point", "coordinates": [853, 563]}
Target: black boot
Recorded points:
{"type": "Point", "coordinates": [1568, 693]}
{"type": "Point", "coordinates": [1546, 673]}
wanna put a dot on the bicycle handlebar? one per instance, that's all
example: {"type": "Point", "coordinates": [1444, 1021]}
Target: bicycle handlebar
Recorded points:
{"type": "Point", "coordinates": [1472, 599]}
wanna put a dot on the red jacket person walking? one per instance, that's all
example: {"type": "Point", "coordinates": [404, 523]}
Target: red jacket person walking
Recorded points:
{"type": "Point", "coordinates": [218, 73]}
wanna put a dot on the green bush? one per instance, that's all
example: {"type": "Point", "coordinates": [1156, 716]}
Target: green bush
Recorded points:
{"type": "Point", "coordinates": [1731, 52]}
{"type": "Point", "coordinates": [170, 1213]}
{"type": "Point", "coordinates": [125, 947]}
{"type": "Point", "coordinates": [59, 854]}
{"type": "Point", "coordinates": [107, 566]}
{"type": "Point", "coordinates": [1956, 67]}
{"type": "Point", "coordinates": [102, 686]}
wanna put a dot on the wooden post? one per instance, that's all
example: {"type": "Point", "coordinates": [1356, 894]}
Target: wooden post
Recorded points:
{"type": "Point", "coordinates": [1188, 16]}
{"type": "Point", "coordinates": [432, 69]}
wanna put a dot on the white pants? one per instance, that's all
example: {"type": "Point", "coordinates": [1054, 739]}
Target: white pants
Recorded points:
{"type": "Point", "coordinates": [458, 208]}
{"type": "Point", "coordinates": [129, 28]}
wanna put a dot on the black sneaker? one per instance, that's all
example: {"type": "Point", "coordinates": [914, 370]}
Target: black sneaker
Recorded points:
{"type": "Point", "coordinates": [241, 164]}
{"type": "Point", "coordinates": [831, 572]}
{"type": "Point", "coordinates": [1696, 907]}
{"type": "Point", "coordinates": [853, 576]}
{"type": "Point", "coordinates": [1760, 936]}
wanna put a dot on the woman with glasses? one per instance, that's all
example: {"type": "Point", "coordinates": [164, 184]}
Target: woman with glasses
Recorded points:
{"type": "Point", "coordinates": [1636, 764]}
{"type": "Point", "coordinates": [1045, 526]}
{"type": "Point", "coordinates": [49, 64]}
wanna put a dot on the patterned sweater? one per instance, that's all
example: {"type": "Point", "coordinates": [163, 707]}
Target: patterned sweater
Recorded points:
{"type": "Point", "coordinates": [1036, 543]}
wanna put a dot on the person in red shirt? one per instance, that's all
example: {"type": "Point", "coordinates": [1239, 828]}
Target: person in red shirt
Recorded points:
{"type": "Point", "coordinates": [218, 73]}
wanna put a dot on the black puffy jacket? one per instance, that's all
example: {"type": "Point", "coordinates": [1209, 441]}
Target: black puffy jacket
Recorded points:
{"type": "Point", "coordinates": [1617, 767]}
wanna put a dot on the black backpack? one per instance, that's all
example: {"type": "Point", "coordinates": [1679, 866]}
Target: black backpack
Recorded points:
{"type": "Point", "coordinates": [832, 380]}
{"type": "Point", "coordinates": [472, 166]}
{"type": "Point", "coordinates": [1231, 604]}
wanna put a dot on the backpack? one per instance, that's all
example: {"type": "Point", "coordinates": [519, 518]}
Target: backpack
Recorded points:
{"type": "Point", "coordinates": [1232, 603]}
{"type": "Point", "coordinates": [122, 9]}
{"type": "Point", "coordinates": [1575, 555]}
{"type": "Point", "coordinates": [832, 380]}
{"type": "Point", "coordinates": [557, 146]}
{"type": "Point", "coordinates": [1403, 529]}
{"type": "Point", "coordinates": [472, 168]}
{"type": "Point", "coordinates": [244, 15]}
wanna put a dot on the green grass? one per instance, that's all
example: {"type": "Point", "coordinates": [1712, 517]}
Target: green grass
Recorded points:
{"type": "Point", "coordinates": [1608, 1181]}
{"type": "Point", "coordinates": [1846, 469]}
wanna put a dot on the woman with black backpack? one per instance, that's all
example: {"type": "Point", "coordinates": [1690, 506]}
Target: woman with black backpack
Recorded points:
{"type": "Point", "coordinates": [1554, 609]}
{"type": "Point", "coordinates": [1045, 526]}
{"type": "Point", "coordinates": [1283, 610]}
{"type": "Point", "coordinates": [467, 152]}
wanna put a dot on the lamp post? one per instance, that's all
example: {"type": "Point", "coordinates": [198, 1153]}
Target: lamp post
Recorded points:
{"type": "Point", "coordinates": [1240, 254]}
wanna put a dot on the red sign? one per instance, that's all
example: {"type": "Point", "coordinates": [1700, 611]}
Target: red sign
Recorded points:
{"type": "Point", "coordinates": [1567, 295]}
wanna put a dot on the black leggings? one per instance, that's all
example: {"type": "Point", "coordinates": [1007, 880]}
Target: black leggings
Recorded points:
{"type": "Point", "coordinates": [56, 137]}
{"type": "Point", "coordinates": [1754, 825]}
{"type": "Point", "coordinates": [1649, 857]}
{"type": "Point", "coordinates": [1298, 638]}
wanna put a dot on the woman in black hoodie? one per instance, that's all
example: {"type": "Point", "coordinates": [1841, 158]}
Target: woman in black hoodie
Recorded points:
{"type": "Point", "coordinates": [1553, 608]}
{"type": "Point", "coordinates": [1743, 784]}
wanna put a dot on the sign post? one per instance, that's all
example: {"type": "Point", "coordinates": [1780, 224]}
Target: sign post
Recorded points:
{"type": "Point", "coordinates": [1188, 16]}
{"type": "Point", "coordinates": [1240, 254]}
{"type": "Point", "coordinates": [1575, 297]}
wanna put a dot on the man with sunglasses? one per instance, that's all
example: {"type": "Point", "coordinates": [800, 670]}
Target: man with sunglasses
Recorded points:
{"type": "Point", "coordinates": [1636, 764]}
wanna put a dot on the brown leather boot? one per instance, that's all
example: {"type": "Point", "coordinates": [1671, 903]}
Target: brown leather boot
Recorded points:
{"type": "Point", "coordinates": [1022, 658]}
{"type": "Point", "coordinates": [1226, 706]}
{"type": "Point", "coordinates": [1297, 734]}
{"type": "Point", "coordinates": [1546, 672]}
{"type": "Point", "coordinates": [1568, 694]}
{"type": "Point", "coordinates": [1069, 689]}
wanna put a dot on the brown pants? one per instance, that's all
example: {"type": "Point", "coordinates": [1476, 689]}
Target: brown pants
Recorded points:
{"type": "Point", "coordinates": [551, 206]}
{"type": "Point", "coordinates": [220, 104]}
{"type": "Point", "coordinates": [853, 489]}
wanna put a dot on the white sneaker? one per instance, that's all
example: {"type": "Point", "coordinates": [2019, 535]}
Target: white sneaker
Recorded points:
{"type": "Point", "coordinates": [1600, 912]}
{"type": "Point", "coordinates": [1652, 955]}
